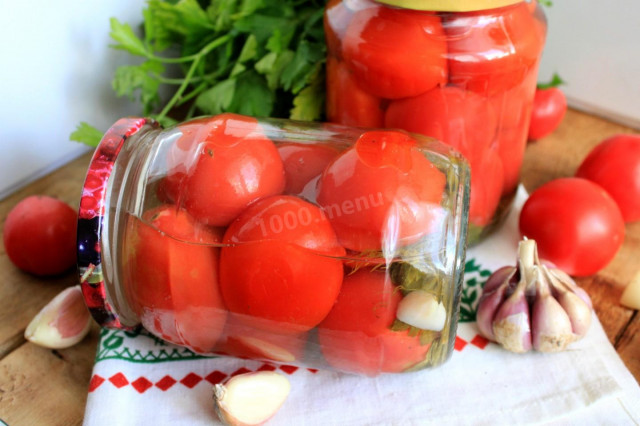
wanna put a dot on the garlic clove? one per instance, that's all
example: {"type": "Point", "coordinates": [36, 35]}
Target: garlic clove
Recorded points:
{"type": "Point", "coordinates": [578, 311]}
{"type": "Point", "coordinates": [266, 349]}
{"type": "Point", "coordinates": [631, 294]}
{"type": "Point", "coordinates": [498, 278]}
{"type": "Point", "coordinates": [566, 280]}
{"type": "Point", "coordinates": [422, 310]}
{"type": "Point", "coordinates": [550, 323]}
{"type": "Point", "coordinates": [62, 323]}
{"type": "Point", "coordinates": [250, 398]}
{"type": "Point", "coordinates": [511, 326]}
{"type": "Point", "coordinates": [488, 306]}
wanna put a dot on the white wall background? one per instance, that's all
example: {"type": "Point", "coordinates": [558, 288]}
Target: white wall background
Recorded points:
{"type": "Point", "coordinates": [595, 46]}
{"type": "Point", "coordinates": [56, 71]}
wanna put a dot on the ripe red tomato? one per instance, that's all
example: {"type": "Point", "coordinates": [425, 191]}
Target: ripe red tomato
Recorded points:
{"type": "Point", "coordinates": [173, 277]}
{"type": "Point", "coordinates": [281, 265]}
{"type": "Point", "coordinates": [549, 108]}
{"type": "Point", "coordinates": [396, 53]}
{"type": "Point", "coordinates": [487, 180]}
{"type": "Point", "coordinates": [40, 235]}
{"type": "Point", "coordinates": [233, 164]}
{"type": "Point", "coordinates": [338, 14]}
{"type": "Point", "coordinates": [381, 193]}
{"type": "Point", "coordinates": [303, 163]}
{"type": "Point", "coordinates": [492, 52]}
{"type": "Point", "coordinates": [576, 224]}
{"type": "Point", "coordinates": [465, 121]}
{"type": "Point", "coordinates": [347, 103]}
{"type": "Point", "coordinates": [454, 116]}
{"type": "Point", "coordinates": [615, 165]}
{"type": "Point", "coordinates": [356, 335]}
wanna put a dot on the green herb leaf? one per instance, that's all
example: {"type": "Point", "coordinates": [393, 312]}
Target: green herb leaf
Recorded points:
{"type": "Point", "coordinates": [556, 81]}
{"type": "Point", "coordinates": [252, 96]}
{"type": "Point", "coordinates": [86, 134]}
{"type": "Point", "coordinates": [217, 99]}
{"type": "Point", "coordinates": [127, 40]}
{"type": "Point", "coordinates": [308, 105]}
{"type": "Point", "coordinates": [142, 79]}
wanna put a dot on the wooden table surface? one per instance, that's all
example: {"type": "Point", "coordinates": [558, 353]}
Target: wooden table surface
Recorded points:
{"type": "Point", "coordinates": [49, 387]}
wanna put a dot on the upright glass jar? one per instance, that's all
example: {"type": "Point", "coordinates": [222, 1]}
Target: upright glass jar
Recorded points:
{"type": "Point", "coordinates": [463, 72]}
{"type": "Point", "coordinates": [309, 244]}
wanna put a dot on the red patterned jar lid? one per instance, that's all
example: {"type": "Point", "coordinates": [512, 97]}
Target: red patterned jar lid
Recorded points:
{"type": "Point", "coordinates": [91, 219]}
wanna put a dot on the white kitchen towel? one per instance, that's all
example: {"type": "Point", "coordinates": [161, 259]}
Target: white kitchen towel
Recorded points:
{"type": "Point", "coordinates": [139, 380]}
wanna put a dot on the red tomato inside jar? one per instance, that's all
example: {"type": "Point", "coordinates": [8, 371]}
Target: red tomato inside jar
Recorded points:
{"type": "Point", "coordinates": [463, 74]}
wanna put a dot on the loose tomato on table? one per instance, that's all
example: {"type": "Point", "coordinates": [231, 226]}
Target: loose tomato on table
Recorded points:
{"type": "Point", "coordinates": [280, 265]}
{"type": "Point", "coordinates": [172, 263]}
{"type": "Point", "coordinates": [395, 53]}
{"type": "Point", "coordinates": [381, 194]}
{"type": "Point", "coordinates": [40, 235]}
{"type": "Point", "coordinates": [490, 52]}
{"type": "Point", "coordinates": [549, 109]}
{"type": "Point", "coordinates": [356, 336]}
{"type": "Point", "coordinates": [615, 165]}
{"type": "Point", "coordinates": [576, 224]}
{"type": "Point", "coordinates": [232, 164]}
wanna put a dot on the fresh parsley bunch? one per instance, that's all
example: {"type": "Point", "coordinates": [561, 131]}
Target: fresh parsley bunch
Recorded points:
{"type": "Point", "coordinates": [262, 58]}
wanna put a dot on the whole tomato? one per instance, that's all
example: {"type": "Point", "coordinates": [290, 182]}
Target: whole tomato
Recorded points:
{"type": "Point", "coordinates": [549, 108]}
{"type": "Point", "coordinates": [615, 165]}
{"type": "Point", "coordinates": [40, 235]}
{"type": "Point", "coordinates": [280, 265]}
{"type": "Point", "coordinates": [231, 164]}
{"type": "Point", "coordinates": [303, 163]}
{"type": "Point", "coordinates": [347, 103]}
{"type": "Point", "coordinates": [172, 267]}
{"type": "Point", "coordinates": [395, 53]}
{"type": "Point", "coordinates": [513, 109]}
{"type": "Point", "coordinates": [459, 118]}
{"type": "Point", "coordinates": [382, 193]}
{"type": "Point", "coordinates": [490, 52]}
{"type": "Point", "coordinates": [465, 121]}
{"type": "Point", "coordinates": [356, 336]}
{"type": "Point", "coordinates": [576, 224]}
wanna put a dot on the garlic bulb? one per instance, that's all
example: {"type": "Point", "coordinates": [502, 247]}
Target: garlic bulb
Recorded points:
{"type": "Point", "coordinates": [533, 306]}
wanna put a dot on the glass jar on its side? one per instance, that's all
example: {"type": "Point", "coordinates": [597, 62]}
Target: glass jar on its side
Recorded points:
{"type": "Point", "coordinates": [462, 72]}
{"type": "Point", "coordinates": [307, 244]}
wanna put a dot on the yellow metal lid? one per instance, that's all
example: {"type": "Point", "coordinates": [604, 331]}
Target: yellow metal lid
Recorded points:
{"type": "Point", "coordinates": [449, 5]}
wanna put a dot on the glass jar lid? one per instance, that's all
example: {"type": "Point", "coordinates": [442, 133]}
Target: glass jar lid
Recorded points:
{"type": "Point", "coordinates": [450, 5]}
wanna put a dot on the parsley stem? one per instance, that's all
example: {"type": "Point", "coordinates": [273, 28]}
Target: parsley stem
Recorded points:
{"type": "Point", "coordinates": [187, 79]}
{"type": "Point", "coordinates": [177, 81]}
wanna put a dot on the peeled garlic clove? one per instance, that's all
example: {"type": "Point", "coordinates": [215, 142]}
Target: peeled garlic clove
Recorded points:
{"type": "Point", "coordinates": [488, 306]}
{"type": "Point", "coordinates": [250, 398]}
{"type": "Point", "coordinates": [422, 310]}
{"type": "Point", "coordinates": [551, 325]}
{"type": "Point", "coordinates": [631, 294]}
{"type": "Point", "coordinates": [511, 326]}
{"type": "Point", "coordinates": [62, 323]}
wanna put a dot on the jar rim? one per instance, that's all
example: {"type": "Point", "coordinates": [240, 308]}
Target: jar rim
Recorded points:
{"type": "Point", "coordinates": [91, 219]}
{"type": "Point", "coordinates": [450, 5]}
